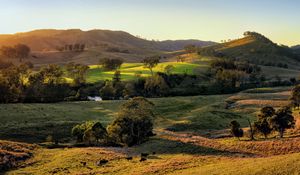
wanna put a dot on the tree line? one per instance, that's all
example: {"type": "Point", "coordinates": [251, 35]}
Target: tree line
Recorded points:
{"type": "Point", "coordinates": [19, 51]}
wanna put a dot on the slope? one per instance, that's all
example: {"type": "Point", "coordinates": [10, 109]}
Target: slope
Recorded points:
{"type": "Point", "coordinates": [256, 49]}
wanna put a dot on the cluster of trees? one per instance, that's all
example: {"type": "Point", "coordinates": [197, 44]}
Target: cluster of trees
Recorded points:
{"type": "Point", "coordinates": [268, 121]}
{"type": "Point", "coordinates": [72, 47]}
{"type": "Point", "coordinates": [230, 76]}
{"type": "Point", "coordinates": [48, 84]}
{"type": "Point", "coordinates": [19, 51]}
{"type": "Point", "coordinates": [133, 125]}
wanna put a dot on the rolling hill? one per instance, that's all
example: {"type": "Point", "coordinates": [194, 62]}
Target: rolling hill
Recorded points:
{"type": "Point", "coordinates": [296, 49]}
{"type": "Point", "coordinates": [50, 39]}
{"type": "Point", "coordinates": [257, 49]}
{"type": "Point", "coordinates": [98, 43]}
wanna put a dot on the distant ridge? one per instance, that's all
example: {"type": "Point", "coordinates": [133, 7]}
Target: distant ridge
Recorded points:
{"type": "Point", "coordinates": [50, 39]}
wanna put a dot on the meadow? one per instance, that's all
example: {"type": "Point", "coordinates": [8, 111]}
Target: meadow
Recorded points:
{"type": "Point", "coordinates": [192, 137]}
{"type": "Point", "coordinates": [130, 71]}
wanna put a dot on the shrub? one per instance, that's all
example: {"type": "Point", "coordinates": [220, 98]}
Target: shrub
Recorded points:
{"type": "Point", "coordinates": [235, 129]}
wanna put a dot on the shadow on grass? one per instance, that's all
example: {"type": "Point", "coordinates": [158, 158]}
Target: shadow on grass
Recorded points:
{"type": "Point", "coordinates": [165, 146]}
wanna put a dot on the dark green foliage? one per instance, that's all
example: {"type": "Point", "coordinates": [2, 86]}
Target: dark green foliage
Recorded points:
{"type": "Point", "coordinates": [107, 92]}
{"type": "Point", "coordinates": [156, 86]}
{"type": "Point", "coordinates": [262, 124]}
{"type": "Point", "coordinates": [134, 122]}
{"type": "Point", "coordinates": [77, 72]}
{"type": "Point", "coordinates": [235, 129]}
{"type": "Point", "coordinates": [111, 64]}
{"type": "Point", "coordinates": [89, 132]}
{"type": "Point", "coordinates": [282, 120]}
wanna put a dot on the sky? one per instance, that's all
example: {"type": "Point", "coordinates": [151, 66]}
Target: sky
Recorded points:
{"type": "Point", "coordinates": [213, 20]}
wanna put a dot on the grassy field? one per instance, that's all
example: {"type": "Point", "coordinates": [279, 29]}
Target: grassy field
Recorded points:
{"type": "Point", "coordinates": [129, 70]}
{"type": "Point", "coordinates": [191, 137]}
{"type": "Point", "coordinates": [34, 122]}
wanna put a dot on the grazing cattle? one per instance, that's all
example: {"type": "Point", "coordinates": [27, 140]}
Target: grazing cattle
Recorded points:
{"type": "Point", "coordinates": [144, 154]}
{"type": "Point", "coordinates": [143, 159]}
{"type": "Point", "coordinates": [102, 162]}
{"type": "Point", "coordinates": [83, 163]}
{"type": "Point", "coordinates": [128, 158]}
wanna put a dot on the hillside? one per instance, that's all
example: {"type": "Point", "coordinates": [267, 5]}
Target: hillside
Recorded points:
{"type": "Point", "coordinates": [50, 39]}
{"type": "Point", "coordinates": [45, 45]}
{"type": "Point", "coordinates": [257, 49]}
{"type": "Point", "coordinates": [296, 49]}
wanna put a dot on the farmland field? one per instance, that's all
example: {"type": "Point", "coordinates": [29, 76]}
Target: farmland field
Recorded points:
{"type": "Point", "coordinates": [191, 137]}
{"type": "Point", "coordinates": [129, 70]}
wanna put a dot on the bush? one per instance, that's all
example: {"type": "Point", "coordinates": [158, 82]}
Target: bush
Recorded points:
{"type": "Point", "coordinates": [235, 129]}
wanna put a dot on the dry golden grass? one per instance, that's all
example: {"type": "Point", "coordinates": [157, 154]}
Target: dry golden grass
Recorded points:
{"type": "Point", "coordinates": [12, 153]}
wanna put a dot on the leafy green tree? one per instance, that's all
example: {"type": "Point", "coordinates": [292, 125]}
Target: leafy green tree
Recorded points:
{"type": "Point", "coordinates": [235, 129]}
{"type": "Point", "coordinates": [134, 123]}
{"type": "Point", "coordinates": [262, 124]}
{"type": "Point", "coordinates": [111, 64]}
{"type": "Point", "coordinates": [151, 62]}
{"type": "Point", "coordinates": [77, 72]}
{"type": "Point", "coordinates": [79, 130]}
{"type": "Point", "coordinates": [282, 120]}
{"type": "Point", "coordinates": [99, 131]}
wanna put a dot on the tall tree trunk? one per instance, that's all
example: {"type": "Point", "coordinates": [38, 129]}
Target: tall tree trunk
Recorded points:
{"type": "Point", "coordinates": [281, 131]}
{"type": "Point", "coordinates": [251, 130]}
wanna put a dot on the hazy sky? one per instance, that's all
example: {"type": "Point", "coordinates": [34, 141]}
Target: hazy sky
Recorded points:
{"type": "Point", "coordinates": [159, 19]}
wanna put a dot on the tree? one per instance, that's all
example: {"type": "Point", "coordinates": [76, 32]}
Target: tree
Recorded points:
{"type": "Point", "coordinates": [111, 64]}
{"type": "Point", "coordinates": [82, 47]}
{"type": "Point", "coordinates": [79, 130]}
{"type": "Point", "coordinates": [168, 69]}
{"type": "Point", "coordinates": [235, 129]}
{"type": "Point", "coordinates": [251, 130]}
{"type": "Point", "coordinates": [89, 132]}
{"type": "Point", "coordinates": [8, 51]}
{"type": "Point", "coordinates": [22, 51]}
{"type": "Point", "coordinates": [282, 120]}
{"type": "Point", "coordinates": [156, 86]}
{"type": "Point", "coordinates": [52, 74]}
{"type": "Point", "coordinates": [180, 58]}
{"type": "Point", "coordinates": [262, 124]}
{"type": "Point", "coordinates": [151, 62]}
{"type": "Point", "coordinates": [117, 77]}
{"type": "Point", "coordinates": [295, 97]}
{"type": "Point", "coordinates": [77, 72]}
{"type": "Point", "coordinates": [108, 91]}
{"type": "Point", "coordinates": [99, 131]}
{"type": "Point", "coordinates": [134, 123]}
